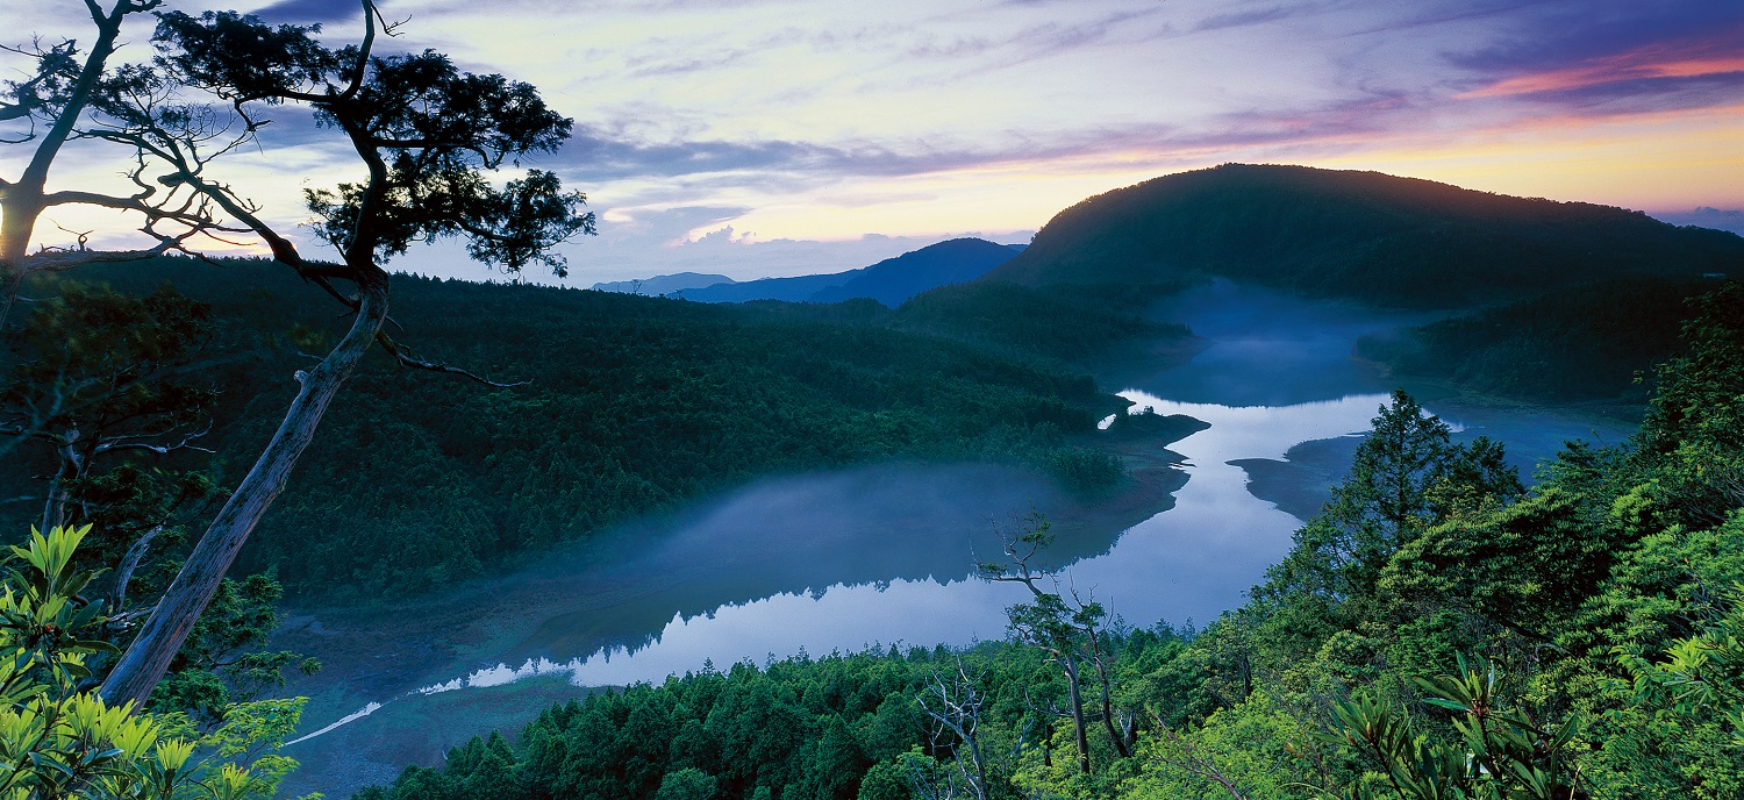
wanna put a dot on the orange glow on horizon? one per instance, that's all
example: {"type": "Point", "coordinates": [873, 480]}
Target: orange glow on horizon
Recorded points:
{"type": "Point", "coordinates": [1661, 161]}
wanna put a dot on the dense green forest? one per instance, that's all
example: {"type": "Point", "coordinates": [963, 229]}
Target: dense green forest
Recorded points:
{"type": "Point", "coordinates": [1364, 236]}
{"type": "Point", "coordinates": [1075, 323]}
{"type": "Point", "coordinates": [623, 405]}
{"type": "Point", "coordinates": [1438, 631]}
{"type": "Point", "coordinates": [1069, 326]}
{"type": "Point", "coordinates": [1585, 344]}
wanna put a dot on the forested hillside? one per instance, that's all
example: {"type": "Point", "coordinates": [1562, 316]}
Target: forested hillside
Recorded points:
{"type": "Point", "coordinates": [1585, 344]}
{"type": "Point", "coordinates": [1438, 631]}
{"type": "Point", "coordinates": [622, 405]}
{"type": "Point", "coordinates": [1378, 239]}
{"type": "Point", "coordinates": [1073, 324]}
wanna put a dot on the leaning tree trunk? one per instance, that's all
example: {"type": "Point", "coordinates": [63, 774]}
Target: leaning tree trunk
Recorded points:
{"type": "Point", "coordinates": [1070, 666]}
{"type": "Point", "coordinates": [148, 658]}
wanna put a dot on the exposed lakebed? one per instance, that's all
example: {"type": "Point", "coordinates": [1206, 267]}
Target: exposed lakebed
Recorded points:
{"type": "Point", "coordinates": [883, 555]}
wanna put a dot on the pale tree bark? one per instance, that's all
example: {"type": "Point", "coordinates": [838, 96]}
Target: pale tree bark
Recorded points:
{"type": "Point", "coordinates": [1122, 734]}
{"type": "Point", "coordinates": [955, 704]}
{"type": "Point", "coordinates": [149, 656]}
{"type": "Point", "coordinates": [130, 564]}
{"type": "Point", "coordinates": [376, 218]}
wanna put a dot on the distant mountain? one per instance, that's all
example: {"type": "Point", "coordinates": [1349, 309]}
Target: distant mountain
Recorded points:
{"type": "Point", "coordinates": [1719, 219]}
{"type": "Point", "coordinates": [1364, 236]}
{"type": "Point", "coordinates": [793, 290]}
{"type": "Point", "coordinates": [890, 282]}
{"type": "Point", "coordinates": [893, 281]}
{"type": "Point", "coordinates": [663, 284]}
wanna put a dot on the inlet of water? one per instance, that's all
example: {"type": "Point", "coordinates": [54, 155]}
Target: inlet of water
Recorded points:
{"type": "Point", "coordinates": [882, 556]}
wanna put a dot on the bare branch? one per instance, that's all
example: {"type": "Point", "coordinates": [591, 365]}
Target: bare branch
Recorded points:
{"type": "Point", "coordinates": [1187, 757]}
{"type": "Point", "coordinates": [62, 260]}
{"type": "Point", "coordinates": [119, 445]}
{"type": "Point", "coordinates": [407, 359]}
{"type": "Point", "coordinates": [955, 704]}
{"type": "Point", "coordinates": [130, 563]}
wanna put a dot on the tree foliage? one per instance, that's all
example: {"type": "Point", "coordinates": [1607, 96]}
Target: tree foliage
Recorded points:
{"type": "Point", "coordinates": [631, 405]}
{"type": "Point", "coordinates": [99, 387]}
{"type": "Point", "coordinates": [1576, 640]}
{"type": "Point", "coordinates": [427, 137]}
{"type": "Point", "coordinates": [58, 739]}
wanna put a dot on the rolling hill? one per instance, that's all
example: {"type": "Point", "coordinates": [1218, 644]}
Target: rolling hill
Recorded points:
{"type": "Point", "coordinates": [1378, 239]}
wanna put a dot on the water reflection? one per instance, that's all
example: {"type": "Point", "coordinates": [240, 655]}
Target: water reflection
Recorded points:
{"type": "Point", "coordinates": [1193, 561]}
{"type": "Point", "coordinates": [882, 556]}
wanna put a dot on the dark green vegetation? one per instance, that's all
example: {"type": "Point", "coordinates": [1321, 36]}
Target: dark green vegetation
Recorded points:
{"type": "Point", "coordinates": [1076, 325]}
{"type": "Point", "coordinates": [58, 740]}
{"type": "Point", "coordinates": [1069, 324]}
{"type": "Point", "coordinates": [1587, 343]}
{"type": "Point", "coordinates": [108, 399]}
{"type": "Point", "coordinates": [1378, 239]}
{"type": "Point", "coordinates": [634, 405]}
{"type": "Point", "coordinates": [1437, 632]}
{"type": "Point", "coordinates": [1558, 302]}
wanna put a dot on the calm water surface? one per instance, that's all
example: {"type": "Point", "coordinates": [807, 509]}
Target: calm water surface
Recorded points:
{"type": "Point", "coordinates": [883, 556]}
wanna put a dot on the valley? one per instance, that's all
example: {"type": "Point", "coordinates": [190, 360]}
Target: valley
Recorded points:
{"type": "Point", "coordinates": [655, 491]}
{"type": "Point", "coordinates": [882, 555]}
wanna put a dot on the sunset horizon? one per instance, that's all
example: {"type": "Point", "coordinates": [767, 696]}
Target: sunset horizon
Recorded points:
{"type": "Point", "coordinates": [776, 138]}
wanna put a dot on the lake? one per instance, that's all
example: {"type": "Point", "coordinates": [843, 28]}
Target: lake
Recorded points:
{"type": "Point", "coordinates": [884, 555]}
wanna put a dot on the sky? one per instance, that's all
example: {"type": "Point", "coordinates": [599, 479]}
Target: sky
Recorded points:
{"type": "Point", "coordinates": [778, 137]}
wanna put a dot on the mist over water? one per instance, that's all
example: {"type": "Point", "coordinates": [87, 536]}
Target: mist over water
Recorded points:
{"type": "Point", "coordinates": [787, 544]}
{"type": "Point", "coordinates": [883, 555]}
{"type": "Point", "coordinates": [1263, 348]}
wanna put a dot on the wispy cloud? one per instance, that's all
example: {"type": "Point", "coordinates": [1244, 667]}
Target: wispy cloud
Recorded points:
{"type": "Point", "coordinates": [658, 67]}
{"type": "Point", "coordinates": [1039, 41]}
{"type": "Point", "coordinates": [1237, 19]}
{"type": "Point", "coordinates": [308, 11]}
{"type": "Point", "coordinates": [1697, 69]}
{"type": "Point", "coordinates": [772, 115]}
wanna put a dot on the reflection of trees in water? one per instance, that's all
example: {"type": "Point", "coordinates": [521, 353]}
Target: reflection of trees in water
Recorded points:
{"type": "Point", "coordinates": [801, 535]}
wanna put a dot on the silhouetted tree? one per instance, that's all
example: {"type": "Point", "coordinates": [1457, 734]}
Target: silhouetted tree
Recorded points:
{"type": "Point", "coordinates": [53, 106]}
{"type": "Point", "coordinates": [427, 135]}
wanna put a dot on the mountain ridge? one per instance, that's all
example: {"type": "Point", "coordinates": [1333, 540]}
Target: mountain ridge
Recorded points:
{"type": "Point", "coordinates": [1366, 236]}
{"type": "Point", "coordinates": [890, 282]}
{"type": "Point", "coordinates": [663, 284]}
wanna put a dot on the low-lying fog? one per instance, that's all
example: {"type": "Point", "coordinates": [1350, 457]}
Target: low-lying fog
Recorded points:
{"type": "Point", "coordinates": [880, 555]}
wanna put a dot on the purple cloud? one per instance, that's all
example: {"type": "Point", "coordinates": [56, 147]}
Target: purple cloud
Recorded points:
{"type": "Point", "coordinates": [305, 12]}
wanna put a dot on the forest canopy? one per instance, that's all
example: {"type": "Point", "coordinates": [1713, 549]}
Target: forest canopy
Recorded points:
{"type": "Point", "coordinates": [1439, 631]}
{"type": "Point", "coordinates": [630, 405]}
